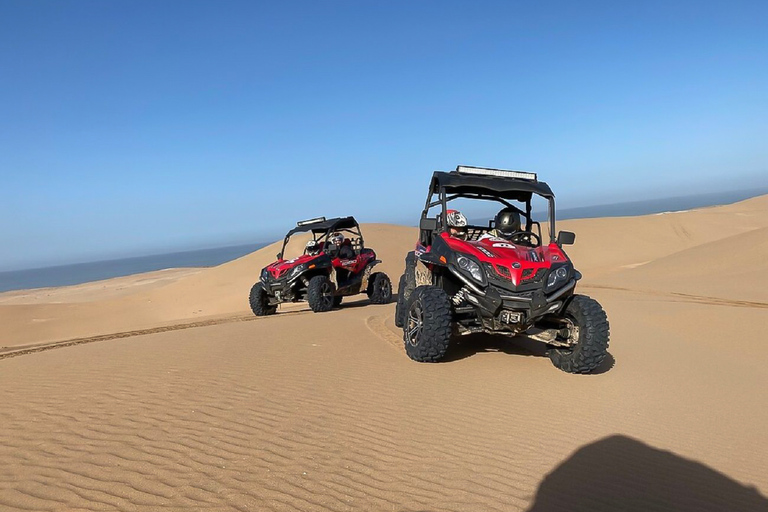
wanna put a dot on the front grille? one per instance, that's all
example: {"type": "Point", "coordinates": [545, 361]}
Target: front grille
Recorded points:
{"type": "Point", "coordinates": [280, 273]}
{"type": "Point", "coordinates": [535, 278]}
{"type": "Point", "coordinates": [498, 273]}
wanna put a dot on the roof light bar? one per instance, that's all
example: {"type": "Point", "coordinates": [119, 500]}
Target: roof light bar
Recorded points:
{"type": "Point", "coordinates": [310, 221]}
{"type": "Point", "coordinates": [480, 171]}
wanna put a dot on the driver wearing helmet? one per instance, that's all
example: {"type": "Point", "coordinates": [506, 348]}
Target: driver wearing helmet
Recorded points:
{"type": "Point", "coordinates": [457, 224]}
{"type": "Point", "coordinates": [343, 246]}
{"type": "Point", "coordinates": [507, 223]}
{"type": "Point", "coordinates": [312, 248]}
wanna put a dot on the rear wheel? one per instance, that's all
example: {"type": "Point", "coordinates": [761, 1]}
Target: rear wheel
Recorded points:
{"type": "Point", "coordinates": [379, 288]}
{"type": "Point", "coordinates": [320, 294]}
{"type": "Point", "coordinates": [587, 327]}
{"type": "Point", "coordinates": [427, 326]}
{"type": "Point", "coordinates": [259, 301]}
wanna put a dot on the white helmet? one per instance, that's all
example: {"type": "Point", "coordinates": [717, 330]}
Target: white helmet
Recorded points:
{"type": "Point", "coordinates": [337, 239]}
{"type": "Point", "coordinates": [312, 247]}
{"type": "Point", "coordinates": [456, 219]}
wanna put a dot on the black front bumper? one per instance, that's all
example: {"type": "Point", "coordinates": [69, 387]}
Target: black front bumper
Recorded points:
{"type": "Point", "coordinates": [496, 303]}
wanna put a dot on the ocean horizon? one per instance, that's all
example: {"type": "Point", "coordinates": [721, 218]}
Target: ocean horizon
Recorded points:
{"type": "Point", "coordinates": [79, 273]}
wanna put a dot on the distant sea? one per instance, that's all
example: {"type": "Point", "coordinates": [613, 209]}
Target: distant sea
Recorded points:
{"type": "Point", "coordinates": [65, 275]}
{"type": "Point", "coordinates": [84, 272]}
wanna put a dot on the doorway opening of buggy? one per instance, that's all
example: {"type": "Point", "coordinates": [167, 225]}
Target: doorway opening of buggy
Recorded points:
{"type": "Point", "coordinates": [493, 185]}
{"type": "Point", "coordinates": [321, 230]}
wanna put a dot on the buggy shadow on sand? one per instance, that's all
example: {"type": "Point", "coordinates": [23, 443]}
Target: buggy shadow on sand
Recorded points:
{"type": "Point", "coordinates": [482, 283]}
{"type": "Point", "coordinates": [325, 273]}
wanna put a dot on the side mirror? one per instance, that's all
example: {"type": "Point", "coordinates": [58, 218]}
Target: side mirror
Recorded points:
{"type": "Point", "coordinates": [566, 238]}
{"type": "Point", "coordinates": [279, 256]}
{"type": "Point", "coordinates": [428, 224]}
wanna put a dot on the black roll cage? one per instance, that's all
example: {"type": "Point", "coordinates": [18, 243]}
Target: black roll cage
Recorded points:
{"type": "Point", "coordinates": [325, 229]}
{"type": "Point", "coordinates": [524, 196]}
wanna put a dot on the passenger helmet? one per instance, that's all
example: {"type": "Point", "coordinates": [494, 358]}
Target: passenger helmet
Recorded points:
{"type": "Point", "coordinates": [508, 222]}
{"type": "Point", "coordinates": [337, 238]}
{"type": "Point", "coordinates": [312, 247]}
{"type": "Point", "coordinates": [456, 219]}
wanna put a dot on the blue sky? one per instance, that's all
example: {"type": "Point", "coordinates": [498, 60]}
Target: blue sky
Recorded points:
{"type": "Point", "coordinates": [136, 127]}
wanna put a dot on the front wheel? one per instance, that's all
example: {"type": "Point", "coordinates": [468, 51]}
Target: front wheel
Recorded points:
{"type": "Point", "coordinates": [588, 329]}
{"type": "Point", "coordinates": [379, 288]}
{"type": "Point", "coordinates": [320, 294]}
{"type": "Point", "coordinates": [259, 301]}
{"type": "Point", "coordinates": [427, 326]}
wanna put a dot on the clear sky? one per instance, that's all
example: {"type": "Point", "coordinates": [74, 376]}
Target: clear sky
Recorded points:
{"type": "Point", "coordinates": [138, 127]}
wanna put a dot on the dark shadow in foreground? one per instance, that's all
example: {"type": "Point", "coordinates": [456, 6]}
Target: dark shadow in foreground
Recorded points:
{"type": "Point", "coordinates": [622, 474]}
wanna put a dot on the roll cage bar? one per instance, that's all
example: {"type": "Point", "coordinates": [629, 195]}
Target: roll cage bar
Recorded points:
{"type": "Point", "coordinates": [452, 185]}
{"type": "Point", "coordinates": [324, 229]}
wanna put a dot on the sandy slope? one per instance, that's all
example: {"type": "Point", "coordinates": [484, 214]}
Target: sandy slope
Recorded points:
{"type": "Point", "coordinates": [734, 268]}
{"type": "Point", "coordinates": [325, 412]}
{"type": "Point", "coordinates": [608, 245]}
{"type": "Point", "coordinates": [283, 413]}
{"type": "Point", "coordinates": [49, 315]}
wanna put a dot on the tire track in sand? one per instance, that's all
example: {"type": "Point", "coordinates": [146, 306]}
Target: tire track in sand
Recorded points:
{"type": "Point", "coordinates": [685, 297]}
{"type": "Point", "coordinates": [21, 350]}
{"type": "Point", "coordinates": [383, 326]}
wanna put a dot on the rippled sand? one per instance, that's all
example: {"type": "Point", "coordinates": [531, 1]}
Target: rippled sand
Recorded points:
{"type": "Point", "coordinates": [304, 411]}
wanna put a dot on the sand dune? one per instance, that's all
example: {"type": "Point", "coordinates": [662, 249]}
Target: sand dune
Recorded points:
{"type": "Point", "coordinates": [734, 268]}
{"type": "Point", "coordinates": [608, 245]}
{"type": "Point", "coordinates": [48, 315]}
{"type": "Point", "coordinates": [303, 411]}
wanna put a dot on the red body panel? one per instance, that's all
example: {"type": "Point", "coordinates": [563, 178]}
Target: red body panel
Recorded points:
{"type": "Point", "coordinates": [355, 265]}
{"type": "Point", "coordinates": [517, 263]}
{"type": "Point", "coordinates": [280, 267]}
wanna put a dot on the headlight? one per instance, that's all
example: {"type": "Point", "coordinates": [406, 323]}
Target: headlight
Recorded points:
{"type": "Point", "coordinates": [556, 277]}
{"type": "Point", "coordinates": [470, 267]}
{"type": "Point", "coordinates": [265, 275]}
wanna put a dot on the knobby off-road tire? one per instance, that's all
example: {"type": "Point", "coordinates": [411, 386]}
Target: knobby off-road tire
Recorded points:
{"type": "Point", "coordinates": [405, 289]}
{"type": "Point", "coordinates": [592, 345]}
{"type": "Point", "coordinates": [260, 301]}
{"type": "Point", "coordinates": [427, 326]}
{"type": "Point", "coordinates": [320, 294]}
{"type": "Point", "coordinates": [379, 288]}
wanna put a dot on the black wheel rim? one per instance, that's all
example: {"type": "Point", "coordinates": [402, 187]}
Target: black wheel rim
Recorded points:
{"type": "Point", "coordinates": [326, 294]}
{"type": "Point", "coordinates": [415, 324]}
{"type": "Point", "coordinates": [385, 290]}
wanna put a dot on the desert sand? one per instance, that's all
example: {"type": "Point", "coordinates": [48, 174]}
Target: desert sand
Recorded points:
{"type": "Point", "coordinates": [163, 391]}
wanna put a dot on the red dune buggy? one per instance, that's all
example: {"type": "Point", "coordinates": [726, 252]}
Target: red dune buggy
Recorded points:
{"type": "Point", "coordinates": [478, 281]}
{"type": "Point", "coordinates": [335, 263]}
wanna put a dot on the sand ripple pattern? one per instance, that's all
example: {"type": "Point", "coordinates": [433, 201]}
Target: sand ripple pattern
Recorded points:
{"type": "Point", "coordinates": [250, 416]}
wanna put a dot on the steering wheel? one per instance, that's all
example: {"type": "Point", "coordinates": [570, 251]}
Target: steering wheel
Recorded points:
{"type": "Point", "coordinates": [526, 238]}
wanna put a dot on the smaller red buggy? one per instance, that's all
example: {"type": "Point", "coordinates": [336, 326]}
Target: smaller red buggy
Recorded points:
{"type": "Point", "coordinates": [335, 263]}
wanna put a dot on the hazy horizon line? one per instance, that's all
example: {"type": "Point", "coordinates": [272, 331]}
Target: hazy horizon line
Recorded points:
{"type": "Point", "coordinates": [571, 213]}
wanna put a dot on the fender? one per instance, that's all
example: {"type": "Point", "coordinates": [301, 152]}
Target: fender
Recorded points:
{"type": "Point", "coordinates": [367, 271]}
{"type": "Point", "coordinates": [422, 273]}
